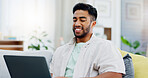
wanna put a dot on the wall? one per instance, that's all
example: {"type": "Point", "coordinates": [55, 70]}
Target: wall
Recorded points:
{"type": "Point", "coordinates": [110, 17]}
{"type": "Point", "coordinates": [145, 28]}
{"type": "Point", "coordinates": [0, 12]}
{"type": "Point", "coordinates": [64, 20]}
{"type": "Point", "coordinates": [133, 26]}
{"type": "Point", "coordinates": [21, 17]}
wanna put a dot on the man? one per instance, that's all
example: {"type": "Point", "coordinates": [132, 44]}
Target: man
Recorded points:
{"type": "Point", "coordinates": [86, 55]}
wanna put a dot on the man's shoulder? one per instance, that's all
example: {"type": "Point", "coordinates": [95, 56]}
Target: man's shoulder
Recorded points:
{"type": "Point", "coordinates": [63, 46]}
{"type": "Point", "coordinates": [61, 50]}
{"type": "Point", "coordinates": [101, 41]}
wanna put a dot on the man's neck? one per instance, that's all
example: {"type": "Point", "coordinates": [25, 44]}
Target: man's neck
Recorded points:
{"type": "Point", "coordinates": [84, 39]}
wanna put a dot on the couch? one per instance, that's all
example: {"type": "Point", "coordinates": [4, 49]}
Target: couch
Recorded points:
{"type": "Point", "coordinates": [140, 64]}
{"type": "Point", "coordinates": [3, 69]}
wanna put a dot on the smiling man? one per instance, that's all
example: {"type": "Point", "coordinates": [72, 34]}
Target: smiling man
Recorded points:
{"type": "Point", "coordinates": [86, 55]}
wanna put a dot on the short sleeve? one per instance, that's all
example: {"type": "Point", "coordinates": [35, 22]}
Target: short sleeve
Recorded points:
{"type": "Point", "coordinates": [110, 60]}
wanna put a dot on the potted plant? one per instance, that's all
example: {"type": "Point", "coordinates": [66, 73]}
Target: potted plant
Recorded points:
{"type": "Point", "coordinates": [40, 42]}
{"type": "Point", "coordinates": [133, 45]}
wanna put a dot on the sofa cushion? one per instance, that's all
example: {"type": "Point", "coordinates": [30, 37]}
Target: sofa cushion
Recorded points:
{"type": "Point", "coordinates": [140, 64]}
{"type": "Point", "coordinates": [129, 69]}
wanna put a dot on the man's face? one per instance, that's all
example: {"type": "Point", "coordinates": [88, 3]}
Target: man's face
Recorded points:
{"type": "Point", "coordinates": [81, 23]}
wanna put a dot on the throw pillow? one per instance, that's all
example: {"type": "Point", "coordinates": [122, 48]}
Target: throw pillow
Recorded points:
{"type": "Point", "coordinates": [129, 69]}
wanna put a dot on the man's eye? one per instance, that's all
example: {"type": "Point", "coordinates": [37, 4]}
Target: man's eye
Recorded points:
{"type": "Point", "coordinates": [74, 20]}
{"type": "Point", "coordinates": [83, 20]}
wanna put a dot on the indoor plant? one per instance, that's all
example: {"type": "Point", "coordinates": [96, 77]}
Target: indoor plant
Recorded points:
{"type": "Point", "coordinates": [133, 45]}
{"type": "Point", "coordinates": [40, 41]}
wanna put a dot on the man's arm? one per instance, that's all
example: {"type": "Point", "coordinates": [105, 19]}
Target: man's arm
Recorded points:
{"type": "Point", "coordinates": [108, 75]}
{"type": "Point", "coordinates": [104, 75]}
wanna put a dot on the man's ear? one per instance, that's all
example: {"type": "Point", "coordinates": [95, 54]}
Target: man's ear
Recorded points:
{"type": "Point", "coordinates": [93, 23]}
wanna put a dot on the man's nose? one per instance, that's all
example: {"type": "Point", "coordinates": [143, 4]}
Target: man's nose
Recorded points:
{"type": "Point", "coordinates": [78, 23]}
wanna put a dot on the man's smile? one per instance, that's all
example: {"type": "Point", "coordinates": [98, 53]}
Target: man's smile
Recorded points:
{"type": "Point", "coordinates": [78, 30]}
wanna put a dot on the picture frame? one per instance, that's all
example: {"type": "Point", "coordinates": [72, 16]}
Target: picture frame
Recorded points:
{"type": "Point", "coordinates": [103, 7]}
{"type": "Point", "coordinates": [133, 11]}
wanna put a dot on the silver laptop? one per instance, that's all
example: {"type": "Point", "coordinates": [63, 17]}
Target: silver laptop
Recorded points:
{"type": "Point", "coordinates": [27, 66]}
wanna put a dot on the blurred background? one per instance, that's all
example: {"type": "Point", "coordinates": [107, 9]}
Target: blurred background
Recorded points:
{"type": "Point", "coordinates": [47, 24]}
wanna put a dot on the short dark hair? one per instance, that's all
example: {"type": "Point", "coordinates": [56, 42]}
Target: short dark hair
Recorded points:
{"type": "Point", "coordinates": [87, 7]}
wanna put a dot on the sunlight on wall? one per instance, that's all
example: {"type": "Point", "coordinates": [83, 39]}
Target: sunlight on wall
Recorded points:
{"type": "Point", "coordinates": [22, 17]}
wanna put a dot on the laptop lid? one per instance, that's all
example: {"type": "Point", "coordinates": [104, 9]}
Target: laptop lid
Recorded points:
{"type": "Point", "coordinates": [27, 66]}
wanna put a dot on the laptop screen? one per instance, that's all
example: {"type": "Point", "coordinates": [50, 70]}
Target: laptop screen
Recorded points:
{"type": "Point", "coordinates": [27, 66]}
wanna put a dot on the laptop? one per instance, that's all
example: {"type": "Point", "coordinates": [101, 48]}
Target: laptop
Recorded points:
{"type": "Point", "coordinates": [27, 66]}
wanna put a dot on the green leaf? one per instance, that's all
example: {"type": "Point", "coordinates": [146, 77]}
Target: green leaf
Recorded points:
{"type": "Point", "coordinates": [45, 35]}
{"type": "Point", "coordinates": [126, 42]}
{"type": "Point", "coordinates": [38, 47]}
{"type": "Point", "coordinates": [45, 47]}
{"type": "Point", "coordinates": [143, 52]}
{"type": "Point", "coordinates": [52, 48]}
{"type": "Point", "coordinates": [40, 40]}
{"type": "Point", "coordinates": [33, 37]}
{"type": "Point", "coordinates": [49, 41]}
{"type": "Point", "coordinates": [136, 44]}
{"type": "Point", "coordinates": [43, 32]}
{"type": "Point", "coordinates": [138, 53]}
{"type": "Point", "coordinates": [30, 47]}
{"type": "Point", "coordinates": [34, 47]}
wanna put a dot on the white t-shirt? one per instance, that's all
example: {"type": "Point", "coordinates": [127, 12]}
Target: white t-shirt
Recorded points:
{"type": "Point", "coordinates": [73, 60]}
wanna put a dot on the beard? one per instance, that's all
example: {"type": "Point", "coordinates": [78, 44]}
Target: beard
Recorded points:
{"type": "Point", "coordinates": [85, 32]}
